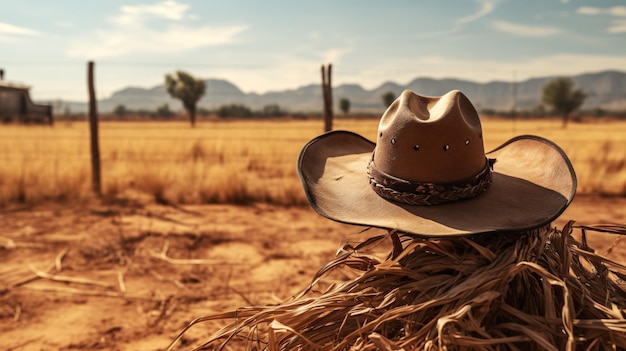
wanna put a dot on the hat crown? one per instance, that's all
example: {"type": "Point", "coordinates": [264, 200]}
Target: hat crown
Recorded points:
{"type": "Point", "coordinates": [430, 139]}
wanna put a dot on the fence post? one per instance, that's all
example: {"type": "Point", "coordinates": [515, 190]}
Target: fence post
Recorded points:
{"type": "Point", "coordinates": [327, 95]}
{"type": "Point", "coordinates": [93, 131]}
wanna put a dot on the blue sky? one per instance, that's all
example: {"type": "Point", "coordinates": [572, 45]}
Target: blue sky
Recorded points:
{"type": "Point", "coordinates": [280, 44]}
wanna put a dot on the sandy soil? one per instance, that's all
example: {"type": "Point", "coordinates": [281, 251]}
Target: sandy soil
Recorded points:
{"type": "Point", "coordinates": [95, 277]}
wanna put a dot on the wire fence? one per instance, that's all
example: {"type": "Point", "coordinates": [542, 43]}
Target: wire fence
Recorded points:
{"type": "Point", "coordinates": [164, 142]}
{"type": "Point", "coordinates": [171, 160]}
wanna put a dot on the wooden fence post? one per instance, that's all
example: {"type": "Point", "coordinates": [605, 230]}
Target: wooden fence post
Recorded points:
{"type": "Point", "coordinates": [327, 95]}
{"type": "Point", "coordinates": [93, 131]}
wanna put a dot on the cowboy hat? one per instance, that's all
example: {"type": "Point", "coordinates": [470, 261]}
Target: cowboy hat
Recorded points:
{"type": "Point", "coordinates": [428, 175]}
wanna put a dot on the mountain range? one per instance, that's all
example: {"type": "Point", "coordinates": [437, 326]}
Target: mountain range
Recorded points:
{"type": "Point", "coordinates": [605, 90]}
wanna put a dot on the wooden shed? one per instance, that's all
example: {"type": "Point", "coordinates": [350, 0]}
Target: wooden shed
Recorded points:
{"type": "Point", "coordinates": [16, 105]}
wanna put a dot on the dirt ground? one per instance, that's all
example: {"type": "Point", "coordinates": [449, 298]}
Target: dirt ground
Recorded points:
{"type": "Point", "coordinates": [130, 277]}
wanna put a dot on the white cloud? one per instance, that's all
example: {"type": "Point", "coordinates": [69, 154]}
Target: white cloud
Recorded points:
{"type": "Point", "coordinates": [132, 32]}
{"type": "Point", "coordinates": [486, 8]}
{"type": "Point", "coordinates": [64, 24]}
{"type": "Point", "coordinates": [117, 42]}
{"type": "Point", "coordinates": [587, 10]}
{"type": "Point", "coordinates": [618, 26]}
{"type": "Point", "coordinates": [9, 29]}
{"type": "Point", "coordinates": [131, 16]}
{"type": "Point", "coordinates": [617, 11]}
{"type": "Point", "coordinates": [524, 30]}
{"type": "Point", "coordinates": [334, 55]}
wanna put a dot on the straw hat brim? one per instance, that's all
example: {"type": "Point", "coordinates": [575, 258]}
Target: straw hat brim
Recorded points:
{"type": "Point", "coordinates": [533, 183]}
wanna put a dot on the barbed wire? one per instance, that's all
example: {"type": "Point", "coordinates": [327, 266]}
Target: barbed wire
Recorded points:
{"type": "Point", "coordinates": [183, 155]}
{"type": "Point", "coordinates": [133, 138]}
{"type": "Point", "coordinates": [171, 158]}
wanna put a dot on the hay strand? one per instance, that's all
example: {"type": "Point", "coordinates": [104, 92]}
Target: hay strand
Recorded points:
{"type": "Point", "coordinates": [177, 261]}
{"type": "Point", "coordinates": [537, 290]}
{"type": "Point", "coordinates": [66, 279]}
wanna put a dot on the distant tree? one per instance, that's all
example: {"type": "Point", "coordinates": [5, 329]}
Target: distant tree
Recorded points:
{"type": "Point", "coordinates": [164, 111]}
{"type": "Point", "coordinates": [203, 111]}
{"type": "Point", "coordinates": [599, 112]}
{"type": "Point", "coordinates": [488, 111]}
{"type": "Point", "coordinates": [145, 112]}
{"type": "Point", "coordinates": [344, 105]}
{"type": "Point", "coordinates": [120, 110]}
{"type": "Point", "coordinates": [388, 98]}
{"type": "Point", "coordinates": [187, 89]}
{"type": "Point", "coordinates": [234, 110]}
{"type": "Point", "coordinates": [272, 110]}
{"type": "Point", "coordinates": [538, 111]}
{"type": "Point", "coordinates": [561, 95]}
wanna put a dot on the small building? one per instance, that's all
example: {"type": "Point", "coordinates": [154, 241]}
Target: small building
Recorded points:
{"type": "Point", "coordinates": [16, 105]}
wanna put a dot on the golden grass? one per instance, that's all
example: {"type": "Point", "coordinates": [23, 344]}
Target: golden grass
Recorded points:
{"type": "Point", "coordinates": [239, 161]}
{"type": "Point", "coordinates": [538, 290]}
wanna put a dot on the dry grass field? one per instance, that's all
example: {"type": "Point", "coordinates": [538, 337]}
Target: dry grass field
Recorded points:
{"type": "Point", "coordinates": [199, 221]}
{"type": "Point", "coordinates": [240, 162]}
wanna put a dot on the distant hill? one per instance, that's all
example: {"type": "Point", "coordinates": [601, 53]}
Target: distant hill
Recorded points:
{"type": "Point", "coordinates": [606, 90]}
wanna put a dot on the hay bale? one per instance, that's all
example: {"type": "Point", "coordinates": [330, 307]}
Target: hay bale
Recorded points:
{"type": "Point", "coordinates": [537, 290]}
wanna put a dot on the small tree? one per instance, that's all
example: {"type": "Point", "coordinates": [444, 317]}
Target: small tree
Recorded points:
{"type": "Point", "coordinates": [234, 110]}
{"type": "Point", "coordinates": [164, 111]}
{"type": "Point", "coordinates": [388, 98]}
{"type": "Point", "coordinates": [561, 95]}
{"type": "Point", "coordinates": [120, 110]}
{"type": "Point", "coordinates": [272, 110]}
{"type": "Point", "coordinates": [187, 89]}
{"type": "Point", "coordinates": [344, 105]}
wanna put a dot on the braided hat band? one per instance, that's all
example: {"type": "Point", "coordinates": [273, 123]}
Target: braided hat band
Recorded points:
{"type": "Point", "coordinates": [426, 194]}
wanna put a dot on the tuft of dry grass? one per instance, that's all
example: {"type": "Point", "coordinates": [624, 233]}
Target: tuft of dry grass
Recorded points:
{"type": "Point", "coordinates": [537, 290]}
{"type": "Point", "coordinates": [240, 161]}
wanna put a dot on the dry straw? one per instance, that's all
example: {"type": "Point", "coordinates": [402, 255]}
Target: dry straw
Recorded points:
{"type": "Point", "coordinates": [538, 290]}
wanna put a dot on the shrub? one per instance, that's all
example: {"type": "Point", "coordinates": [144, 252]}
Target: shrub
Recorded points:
{"type": "Point", "coordinates": [234, 110]}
